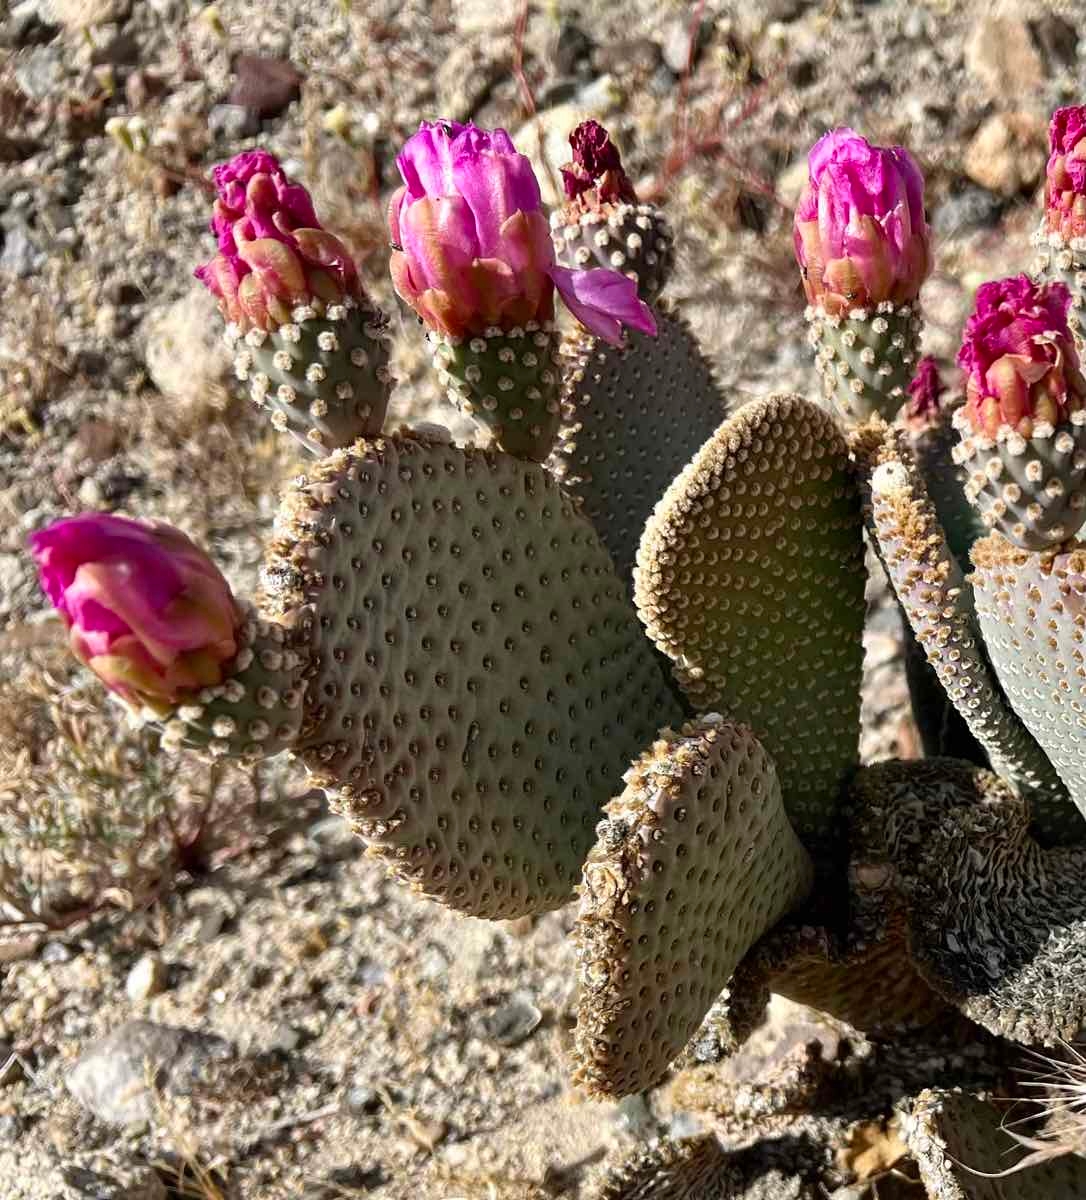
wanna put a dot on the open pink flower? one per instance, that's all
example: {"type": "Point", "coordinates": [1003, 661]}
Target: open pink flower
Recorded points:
{"type": "Point", "coordinates": [860, 234]}
{"type": "Point", "coordinates": [1065, 176]}
{"type": "Point", "coordinates": [273, 253]}
{"type": "Point", "coordinates": [146, 609]}
{"type": "Point", "coordinates": [1020, 358]}
{"type": "Point", "coordinates": [471, 246]}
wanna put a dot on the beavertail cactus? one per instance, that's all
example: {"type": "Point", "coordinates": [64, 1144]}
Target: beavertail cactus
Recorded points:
{"type": "Point", "coordinates": [308, 340]}
{"type": "Point", "coordinates": [1023, 425]}
{"type": "Point", "coordinates": [863, 247]}
{"type": "Point", "coordinates": [1061, 238]}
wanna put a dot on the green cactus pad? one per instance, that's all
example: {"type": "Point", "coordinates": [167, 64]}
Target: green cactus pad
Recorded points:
{"type": "Point", "coordinates": [480, 683]}
{"type": "Point", "coordinates": [750, 577]}
{"type": "Point", "coordinates": [697, 1168]}
{"type": "Point", "coordinates": [933, 448]}
{"type": "Point", "coordinates": [1060, 260]}
{"type": "Point", "coordinates": [1032, 611]}
{"type": "Point", "coordinates": [508, 382]}
{"type": "Point", "coordinates": [938, 604]}
{"type": "Point", "coordinates": [965, 1152]}
{"type": "Point", "coordinates": [865, 359]}
{"type": "Point", "coordinates": [695, 861]}
{"type": "Point", "coordinates": [996, 924]}
{"type": "Point", "coordinates": [632, 419]}
{"type": "Point", "coordinates": [324, 377]}
{"type": "Point", "coordinates": [1031, 490]}
{"type": "Point", "coordinates": [632, 238]}
{"type": "Point", "coordinates": [257, 711]}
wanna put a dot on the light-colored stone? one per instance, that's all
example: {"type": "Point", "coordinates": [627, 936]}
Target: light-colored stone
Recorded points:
{"type": "Point", "coordinates": [146, 979]}
{"type": "Point", "coordinates": [1001, 56]}
{"type": "Point", "coordinates": [184, 349]}
{"type": "Point", "coordinates": [1007, 152]}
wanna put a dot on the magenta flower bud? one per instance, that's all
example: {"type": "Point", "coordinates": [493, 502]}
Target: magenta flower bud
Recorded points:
{"type": "Point", "coordinates": [860, 235]}
{"type": "Point", "coordinates": [471, 245]}
{"type": "Point", "coordinates": [273, 254]}
{"type": "Point", "coordinates": [146, 609]}
{"type": "Point", "coordinates": [1021, 365]}
{"type": "Point", "coordinates": [1065, 176]}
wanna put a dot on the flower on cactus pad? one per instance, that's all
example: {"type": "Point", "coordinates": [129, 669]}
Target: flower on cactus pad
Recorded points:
{"type": "Point", "coordinates": [471, 245]}
{"type": "Point", "coordinates": [1065, 175]}
{"type": "Point", "coordinates": [273, 254]}
{"type": "Point", "coordinates": [860, 234]}
{"type": "Point", "coordinates": [146, 609]}
{"type": "Point", "coordinates": [1021, 365]}
{"type": "Point", "coordinates": [595, 176]}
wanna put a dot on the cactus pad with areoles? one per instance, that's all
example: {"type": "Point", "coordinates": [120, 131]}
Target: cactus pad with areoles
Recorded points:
{"type": "Point", "coordinates": [479, 682]}
{"type": "Point", "coordinates": [750, 578]}
{"type": "Point", "coordinates": [695, 861]}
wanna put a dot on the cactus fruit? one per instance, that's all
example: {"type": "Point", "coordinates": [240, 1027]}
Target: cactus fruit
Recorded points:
{"type": "Point", "coordinates": [602, 223]}
{"type": "Point", "coordinates": [750, 578]}
{"type": "Point", "coordinates": [632, 419]}
{"type": "Point", "coordinates": [995, 922]}
{"type": "Point", "coordinates": [1023, 426]}
{"type": "Point", "coordinates": [937, 602]}
{"type": "Point", "coordinates": [695, 861]}
{"type": "Point", "coordinates": [964, 1149]}
{"type": "Point", "coordinates": [1031, 612]}
{"type": "Point", "coordinates": [479, 682]}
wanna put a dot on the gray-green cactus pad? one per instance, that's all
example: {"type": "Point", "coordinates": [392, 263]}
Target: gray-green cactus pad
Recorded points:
{"type": "Point", "coordinates": [961, 1141]}
{"type": "Point", "coordinates": [996, 924]}
{"type": "Point", "coordinates": [1031, 490]}
{"type": "Point", "coordinates": [938, 604]}
{"type": "Point", "coordinates": [750, 577]}
{"type": "Point", "coordinates": [508, 382]}
{"type": "Point", "coordinates": [323, 376]}
{"type": "Point", "coordinates": [695, 861]}
{"type": "Point", "coordinates": [632, 419]}
{"type": "Point", "coordinates": [865, 359]}
{"type": "Point", "coordinates": [1061, 261]}
{"type": "Point", "coordinates": [479, 681]}
{"type": "Point", "coordinates": [632, 238]}
{"type": "Point", "coordinates": [257, 711]}
{"type": "Point", "coordinates": [1032, 612]}
{"type": "Point", "coordinates": [695, 1169]}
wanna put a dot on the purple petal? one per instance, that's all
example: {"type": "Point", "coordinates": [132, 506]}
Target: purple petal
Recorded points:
{"type": "Point", "coordinates": [603, 301]}
{"type": "Point", "coordinates": [426, 160]}
{"type": "Point", "coordinates": [495, 186]}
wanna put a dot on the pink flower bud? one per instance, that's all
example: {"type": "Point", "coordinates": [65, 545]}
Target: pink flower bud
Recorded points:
{"type": "Point", "coordinates": [1019, 357]}
{"type": "Point", "coordinates": [273, 253]}
{"type": "Point", "coordinates": [860, 234]}
{"type": "Point", "coordinates": [1065, 176]}
{"type": "Point", "coordinates": [146, 609]}
{"type": "Point", "coordinates": [472, 248]}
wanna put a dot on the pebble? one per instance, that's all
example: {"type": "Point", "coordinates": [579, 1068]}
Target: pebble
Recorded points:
{"type": "Point", "coordinates": [146, 979]}
{"type": "Point", "coordinates": [40, 72]}
{"type": "Point", "coordinates": [264, 85]}
{"type": "Point", "coordinates": [231, 122]}
{"type": "Point", "coordinates": [965, 210]}
{"type": "Point", "coordinates": [513, 1022]}
{"type": "Point", "coordinates": [111, 1078]}
{"type": "Point", "coordinates": [1007, 152]}
{"type": "Point", "coordinates": [21, 256]}
{"type": "Point", "coordinates": [1000, 55]}
{"type": "Point", "coordinates": [185, 355]}
{"type": "Point", "coordinates": [120, 1183]}
{"type": "Point", "coordinates": [53, 953]}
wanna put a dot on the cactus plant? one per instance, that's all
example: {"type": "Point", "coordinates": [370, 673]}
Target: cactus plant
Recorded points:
{"type": "Point", "coordinates": [611, 649]}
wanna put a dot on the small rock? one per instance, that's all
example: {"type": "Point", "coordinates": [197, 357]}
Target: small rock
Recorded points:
{"type": "Point", "coordinates": [11, 1126]}
{"type": "Point", "coordinates": [572, 50]}
{"type": "Point", "coordinates": [966, 210]}
{"type": "Point", "coordinates": [264, 85]}
{"type": "Point", "coordinates": [11, 1069]}
{"type": "Point", "coordinates": [637, 55]}
{"type": "Point", "coordinates": [133, 1183]}
{"type": "Point", "coordinates": [1000, 54]}
{"type": "Point", "coordinates": [1007, 152]}
{"type": "Point", "coordinates": [21, 257]}
{"type": "Point", "coordinates": [146, 979]}
{"type": "Point", "coordinates": [121, 50]}
{"type": "Point", "coordinates": [511, 1023]}
{"type": "Point", "coordinates": [682, 43]}
{"type": "Point", "coordinates": [27, 25]}
{"type": "Point", "coordinates": [115, 1077]}
{"type": "Point", "coordinates": [231, 122]}
{"type": "Point", "coordinates": [185, 357]}
{"type": "Point", "coordinates": [53, 953]}
{"type": "Point", "coordinates": [40, 72]}
{"type": "Point", "coordinates": [363, 1101]}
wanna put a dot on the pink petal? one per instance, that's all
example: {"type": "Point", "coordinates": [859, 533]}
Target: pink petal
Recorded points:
{"type": "Point", "coordinates": [603, 301]}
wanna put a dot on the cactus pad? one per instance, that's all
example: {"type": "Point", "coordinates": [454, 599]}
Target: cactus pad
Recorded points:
{"type": "Point", "coordinates": [750, 578]}
{"type": "Point", "coordinates": [965, 1152]}
{"type": "Point", "coordinates": [508, 382]}
{"type": "Point", "coordinates": [694, 1169]}
{"type": "Point", "coordinates": [323, 377]}
{"type": "Point", "coordinates": [996, 924]}
{"type": "Point", "coordinates": [937, 602]}
{"type": "Point", "coordinates": [1063, 260]}
{"type": "Point", "coordinates": [1032, 611]}
{"type": "Point", "coordinates": [695, 861]}
{"type": "Point", "coordinates": [479, 682]}
{"type": "Point", "coordinates": [632, 238]}
{"type": "Point", "coordinates": [257, 711]}
{"type": "Point", "coordinates": [632, 419]}
{"type": "Point", "coordinates": [865, 359]}
{"type": "Point", "coordinates": [945, 480]}
{"type": "Point", "coordinates": [1032, 490]}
